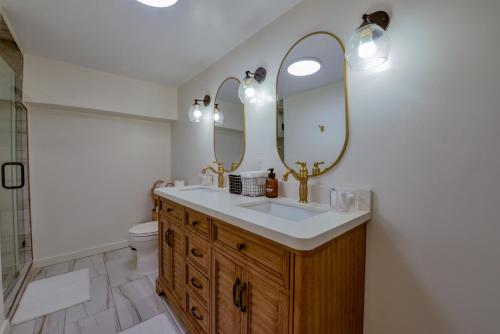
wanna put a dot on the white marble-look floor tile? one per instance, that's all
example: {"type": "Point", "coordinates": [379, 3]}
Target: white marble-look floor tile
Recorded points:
{"type": "Point", "coordinates": [49, 271]}
{"type": "Point", "coordinates": [120, 270]}
{"type": "Point", "coordinates": [101, 323]}
{"type": "Point", "coordinates": [118, 254]}
{"type": "Point", "coordinates": [50, 324]}
{"type": "Point", "coordinates": [159, 324]}
{"type": "Point", "coordinates": [136, 302]}
{"type": "Point", "coordinates": [173, 318]}
{"type": "Point", "coordinates": [152, 278]}
{"type": "Point", "coordinates": [100, 296]}
{"type": "Point", "coordinates": [94, 263]}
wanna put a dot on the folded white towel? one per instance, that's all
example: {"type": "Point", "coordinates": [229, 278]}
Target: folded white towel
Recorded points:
{"type": "Point", "coordinates": [254, 174]}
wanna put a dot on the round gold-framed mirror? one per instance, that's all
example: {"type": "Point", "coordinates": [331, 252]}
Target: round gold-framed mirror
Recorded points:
{"type": "Point", "coordinates": [229, 125]}
{"type": "Point", "coordinates": [312, 108]}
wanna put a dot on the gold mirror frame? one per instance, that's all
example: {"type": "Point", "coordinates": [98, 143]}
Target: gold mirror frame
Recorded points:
{"type": "Point", "coordinates": [346, 140]}
{"type": "Point", "coordinates": [244, 125]}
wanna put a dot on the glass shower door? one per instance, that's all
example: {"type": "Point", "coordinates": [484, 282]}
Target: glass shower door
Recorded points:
{"type": "Point", "coordinates": [8, 203]}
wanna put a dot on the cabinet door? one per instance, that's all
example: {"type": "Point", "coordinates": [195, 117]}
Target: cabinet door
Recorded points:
{"type": "Point", "coordinates": [226, 284]}
{"type": "Point", "coordinates": [265, 307]}
{"type": "Point", "coordinates": [165, 251]}
{"type": "Point", "coordinates": [178, 266]}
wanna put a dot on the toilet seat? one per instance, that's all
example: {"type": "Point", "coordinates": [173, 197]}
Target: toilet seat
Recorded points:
{"type": "Point", "coordinates": [144, 230]}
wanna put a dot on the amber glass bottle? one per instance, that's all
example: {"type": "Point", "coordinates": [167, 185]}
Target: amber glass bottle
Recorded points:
{"type": "Point", "coordinates": [271, 184]}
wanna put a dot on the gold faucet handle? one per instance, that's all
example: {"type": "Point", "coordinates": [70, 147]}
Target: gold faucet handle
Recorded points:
{"type": "Point", "coordinates": [302, 164]}
{"type": "Point", "coordinates": [317, 163]}
{"type": "Point", "coordinates": [218, 163]}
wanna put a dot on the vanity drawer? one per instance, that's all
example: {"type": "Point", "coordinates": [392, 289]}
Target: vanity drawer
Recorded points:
{"type": "Point", "coordinates": [198, 252]}
{"type": "Point", "coordinates": [198, 284]}
{"type": "Point", "coordinates": [172, 209]}
{"type": "Point", "coordinates": [273, 257]}
{"type": "Point", "coordinates": [198, 313]}
{"type": "Point", "coordinates": [198, 223]}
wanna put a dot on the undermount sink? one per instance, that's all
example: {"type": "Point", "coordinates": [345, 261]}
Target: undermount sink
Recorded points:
{"type": "Point", "coordinates": [286, 211]}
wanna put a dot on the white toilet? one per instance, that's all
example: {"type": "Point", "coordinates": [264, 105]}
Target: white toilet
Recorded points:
{"type": "Point", "coordinates": [144, 239]}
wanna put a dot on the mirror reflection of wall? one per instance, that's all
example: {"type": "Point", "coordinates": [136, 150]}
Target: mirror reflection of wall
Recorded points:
{"type": "Point", "coordinates": [312, 102]}
{"type": "Point", "coordinates": [229, 125]}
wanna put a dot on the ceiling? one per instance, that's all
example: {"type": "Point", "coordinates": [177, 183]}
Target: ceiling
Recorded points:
{"type": "Point", "coordinates": [164, 45]}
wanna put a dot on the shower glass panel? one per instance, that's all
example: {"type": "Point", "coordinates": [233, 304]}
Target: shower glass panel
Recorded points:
{"type": "Point", "coordinates": [15, 227]}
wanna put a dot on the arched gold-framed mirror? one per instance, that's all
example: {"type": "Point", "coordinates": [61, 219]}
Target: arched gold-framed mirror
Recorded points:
{"type": "Point", "coordinates": [312, 108]}
{"type": "Point", "coordinates": [229, 125]}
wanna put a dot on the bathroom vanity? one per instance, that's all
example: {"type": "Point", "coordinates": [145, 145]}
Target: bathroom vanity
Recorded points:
{"type": "Point", "coordinates": [234, 264]}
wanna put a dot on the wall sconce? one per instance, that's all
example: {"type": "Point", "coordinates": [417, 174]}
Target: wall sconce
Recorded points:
{"type": "Point", "coordinates": [218, 115]}
{"type": "Point", "coordinates": [247, 91]}
{"type": "Point", "coordinates": [369, 46]}
{"type": "Point", "coordinates": [195, 113]}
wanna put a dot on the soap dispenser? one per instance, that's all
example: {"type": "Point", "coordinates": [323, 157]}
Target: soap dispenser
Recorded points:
{"type": "Point", "coordinates": [271, 184]}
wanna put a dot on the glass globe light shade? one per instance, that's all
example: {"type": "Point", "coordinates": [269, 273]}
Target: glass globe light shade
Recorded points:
{"type": "Point", "coordinates": [247, 92]}
{"type": "Point", "coordinates": [368, 47]}
{"type": "Point", "coordinates": [218, 116]}
{"type": "Point", "coordinates": [158, 3]}
{"type": "Point", "coordinates": [195, 114]}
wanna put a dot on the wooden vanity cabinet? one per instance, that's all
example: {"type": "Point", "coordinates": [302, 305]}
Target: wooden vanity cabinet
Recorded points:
{"type": "Point", "coordinates": [233, 281]}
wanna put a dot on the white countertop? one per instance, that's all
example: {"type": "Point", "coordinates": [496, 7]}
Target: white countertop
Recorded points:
{"type": "Point", "coordinates": [304, 235]}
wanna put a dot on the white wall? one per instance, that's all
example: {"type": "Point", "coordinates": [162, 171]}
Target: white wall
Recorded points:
{"type": "Point", "coordinates": [90, 178]}
{"type": "Point", "coordinates": [55, 83]}
{"type": "Point", "coordinates": [303, 113]}
{"type": "Point", "coordinates": [424, 136]}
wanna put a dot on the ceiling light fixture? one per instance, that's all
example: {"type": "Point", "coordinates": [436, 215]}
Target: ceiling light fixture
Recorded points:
{"type": "Point", "coordinates": [158, 3]}
{"type": "Point", "coordinates": [304, 66]}
{"type": "Point", "coordinates": [369, 46]}
{"type": "Point", "coordinates": [247, 91]}
{"type": "Point", "coordinates": [195, 112]}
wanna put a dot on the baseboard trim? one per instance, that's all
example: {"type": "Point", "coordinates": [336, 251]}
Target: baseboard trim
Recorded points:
{"type": "Point", "coordinates": [47, 261]}
{"type": "Point", "coordinates": [5, 329]}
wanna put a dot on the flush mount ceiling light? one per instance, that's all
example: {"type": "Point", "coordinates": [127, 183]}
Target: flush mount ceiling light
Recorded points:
{"type": "Point", "coordinates": [158, 3]}
{"type": "Point", "coordinates": [218, 115]}
{"type": "Point", "coordinates": [195, 112]}
{"type": "Point", "coordinates": [304, 66]}
{"type": "Point", "coordinates": [247, 91]}
{"type": "Point", "coordinates": [369, 46]}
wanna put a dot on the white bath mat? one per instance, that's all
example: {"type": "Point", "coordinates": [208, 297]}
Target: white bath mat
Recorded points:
{"type": "Point", "coordinates": [160, 324]}
{"type": "Point", "coordinates": [53, 294]}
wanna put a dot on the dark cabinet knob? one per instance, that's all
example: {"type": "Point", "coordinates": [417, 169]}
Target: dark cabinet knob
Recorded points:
{"type": "Point", "coordinates": [194, 312]}
{"type": "Point", "coordinates": [195, 283]}
{"type": "Point", "coordinates": [169, 210]}
{"type": "Point", "coordinates": [240, 246]}
{"type": "Point", "coordinates": [194, 223]}
{"type": "Point", "coordinates": [195, 253]}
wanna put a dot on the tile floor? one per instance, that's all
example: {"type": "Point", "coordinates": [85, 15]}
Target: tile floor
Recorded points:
{"type": "Point", "coordinates": [117, 302]}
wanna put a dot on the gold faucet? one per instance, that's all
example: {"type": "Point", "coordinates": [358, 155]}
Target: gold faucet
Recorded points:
{"type": "Point", "coordinates": [302, 177]}
{"type": "Point", "coordinates": [316, 170]}
{"type": "Point", "coordinates": [219, 172]}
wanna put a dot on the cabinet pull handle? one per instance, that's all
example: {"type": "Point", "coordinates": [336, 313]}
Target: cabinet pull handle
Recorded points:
{"type": "Point", "coordinates": [169, 210]}
{"type": "Point", "coordinates": [167, 237]}
{"type": "Point", "coordinates": [195, 314]}
{"type": "Point", "coordinates": [243, 307]}
{"type": "Point", "coordinates": [194, 223]}
{"type": "Point", "coordinates": [236, 286]}
{"type": "Point", "coordinates": [195, 283]}
{"type": "Point", "coordinates": [196, 253]}
{"type": "Point", "coordinates": [240, 246]}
